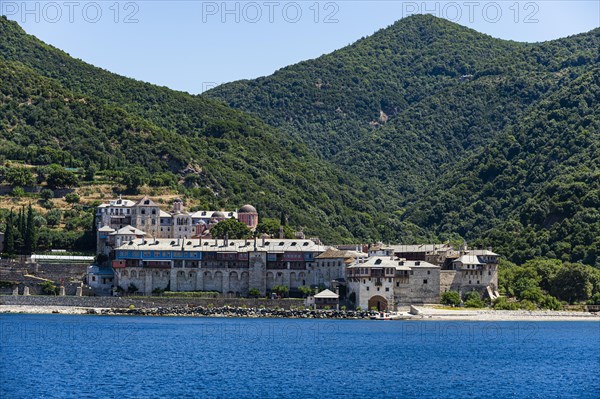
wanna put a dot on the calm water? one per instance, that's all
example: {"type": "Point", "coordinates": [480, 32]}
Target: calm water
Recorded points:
{"type": "Point", "coordinates": [144, 357]}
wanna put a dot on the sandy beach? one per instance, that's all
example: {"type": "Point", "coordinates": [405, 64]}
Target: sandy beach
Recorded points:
{"type": "Point", "coordinates": [29, 309]}
{"type": "Point", "coordinates": [431, 313]}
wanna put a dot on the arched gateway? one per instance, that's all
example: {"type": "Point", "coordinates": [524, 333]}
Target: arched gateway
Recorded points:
{"type": "Point", "coordinates": [378, 302]}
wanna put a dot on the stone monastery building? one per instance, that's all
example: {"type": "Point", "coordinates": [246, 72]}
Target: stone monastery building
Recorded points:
{"type": "Point", "coordinates": [156, 250]}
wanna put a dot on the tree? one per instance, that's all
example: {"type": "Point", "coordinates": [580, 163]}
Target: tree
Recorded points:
{"type": "Point", "coordinates": [46, 194]}
{"type": "Point", "coordinates": [19, 177]}
{"type": "Point", "coordinates": [134, 178]}
{"type": "Point", "coordinates": [573, 283]}
{"type": "Point", "coordinates": [90, 172]}
{"type": "Point", "coordinates": [305, 290]}
{"type": "Point", "coordinates": [29, 233]}
{"type": "Point", "coordinates": [230, 228]}
{"type": "Point", "coordinates": [72, 198]}
{"type": "Point", "coordinates": [58, 177]}
{"type": "Point", "coordinates": [473, 300]}
{"type": "Point", "coordinates": [451, 298]}
{"type": "Point", "coordinates": [53, 217]}
{"type": "Point", "coordinates": [268, 226]}
{"type": "Point", "coordinates": [9, 235]}
{"type": "Point", "coordinates": [49, 288]}
{"type": "Point", "coordinates": [280, 290]}
{"type": "Point", "coordinates": [18, 192]}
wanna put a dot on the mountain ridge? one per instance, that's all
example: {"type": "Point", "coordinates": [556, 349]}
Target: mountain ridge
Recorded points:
{"type": "Point", "coordinates": [418, 132]}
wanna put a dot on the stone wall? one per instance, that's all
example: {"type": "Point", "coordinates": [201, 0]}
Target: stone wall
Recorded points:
{"type": "Point", "coordinates": [150, 302]}
{"type": "Point", "coordinates": [32, 274]}
{"type": "Point", "coordinates": [459, 281]}
{"type": "Point", "coordinates": [227, 281]}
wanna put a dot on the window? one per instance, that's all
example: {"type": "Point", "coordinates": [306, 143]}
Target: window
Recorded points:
{"type": "Point", "coordinates": [425, 281]}
{"type": "Point", "coordinates": [397, 284]}
{"type": "Point", "coordinates": [387, 289]}
{"type": "Point", "coordinates": [428, 271]}
{"type": "Point", "coordinates": [367, 288]}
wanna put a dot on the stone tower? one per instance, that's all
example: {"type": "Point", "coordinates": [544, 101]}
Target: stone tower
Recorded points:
{"type": "Point", "coordinates": [258, 269]}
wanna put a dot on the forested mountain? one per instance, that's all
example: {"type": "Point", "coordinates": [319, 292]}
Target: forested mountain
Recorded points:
{"type": "Point", "coordinates": [53, 107]}
{"type": "Point", "coordinates": [425, 130]}
{"type": "Point", "coordinates": [479, 138]}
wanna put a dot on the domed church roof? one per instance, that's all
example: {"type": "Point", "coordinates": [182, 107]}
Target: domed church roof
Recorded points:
{"type": "Point", "coordinates": [247, 209]}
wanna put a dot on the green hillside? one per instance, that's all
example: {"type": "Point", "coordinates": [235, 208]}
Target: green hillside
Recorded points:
{"type": "Point", "coordinates": [55, 109]}
{"type": "Point", "coordinates": [435, 112]}
{"type": "Point", "coordinates": [425, 130]}
{"type": "Point", "coordinates": [535, 190]}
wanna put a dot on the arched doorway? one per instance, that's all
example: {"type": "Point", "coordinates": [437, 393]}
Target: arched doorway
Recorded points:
{"type": "Point", "coordinates": [378, 302]}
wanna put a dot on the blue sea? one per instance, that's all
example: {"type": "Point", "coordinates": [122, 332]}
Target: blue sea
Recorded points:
{"type": "Point", "coordinates": [60, 356]}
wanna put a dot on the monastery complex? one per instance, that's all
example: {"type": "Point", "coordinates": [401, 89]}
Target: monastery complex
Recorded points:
{"type": "Point", "coordinates": [154, 250]}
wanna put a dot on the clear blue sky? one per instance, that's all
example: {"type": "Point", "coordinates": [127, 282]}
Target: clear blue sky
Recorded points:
{"type": "Point", "coordinates": [194, 45]}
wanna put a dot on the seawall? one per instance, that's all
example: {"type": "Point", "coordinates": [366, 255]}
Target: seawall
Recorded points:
{"type": "Point", "coordinates": [149, 302]}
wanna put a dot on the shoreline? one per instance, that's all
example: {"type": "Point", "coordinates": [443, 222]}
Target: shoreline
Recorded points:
{"type": "Point", "coordinates": [424, 313]}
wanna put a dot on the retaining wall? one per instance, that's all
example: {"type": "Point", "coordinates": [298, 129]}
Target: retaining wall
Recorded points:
{"type": "Point", "coordinates": [150, 302]}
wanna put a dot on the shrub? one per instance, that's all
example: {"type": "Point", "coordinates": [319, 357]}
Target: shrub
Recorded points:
{"type": "Point", "coordinates": [254, 292]}
{"type": "Point", "coordinates": [18, 192]}
{"type": "Point", "coordinates": [595, 300]}
{"type": "Point", "coordinates": [280, 290]}
{"type": "Point", "coordinates": [502, 303]}
{"type": "Point", "coordinates": [451, 298]}
{"type": "Point", "coordinates": [527, 305]}
{"type": "Point", "coordinates": [72, 198]}
{"type": "Point", "coordinates": [48, 288]}
{"type": "Point", "coordinates": [46, 194]}
{"type": "Point", "coordinates": [473, 300]}
{"type": "Point", "coordinates": [550, 302]}
{"type": "Point", "coordinates": [305, 290]}
{"type": "Point", "coordinates": [132, 289]}
{"type": "Point", "coordinates": [53, 217]}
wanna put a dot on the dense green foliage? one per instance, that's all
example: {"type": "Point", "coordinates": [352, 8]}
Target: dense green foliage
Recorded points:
{"type": "Point", "coordinates": [55, 109]}
{"type": "Point", "coordinates": [230, 228]}
{"type": "Point", "coordinates": [451, 298]}
{"type": "Point", "coordinates": [424, 131]}
{"type": "Point", "coordinates": [27, 231]}
{"type": "Point", "coordinates": [473, 300]}
{"type": "Point", "coordinates": [480, 138]}
{"type": "Point", "coordinates": [546, 282]}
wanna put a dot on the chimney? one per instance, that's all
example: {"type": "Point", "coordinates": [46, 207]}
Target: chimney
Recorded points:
{"type": "Point", "coordinates": [263, 240]}
{"type": "Point", "coordinates": [226, 241]}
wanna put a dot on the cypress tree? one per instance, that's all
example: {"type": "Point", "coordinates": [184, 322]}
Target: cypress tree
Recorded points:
{"type": "Point", "coordinates": [9, 235]}
{"type": "Point", "coordinates": [29, 242]}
